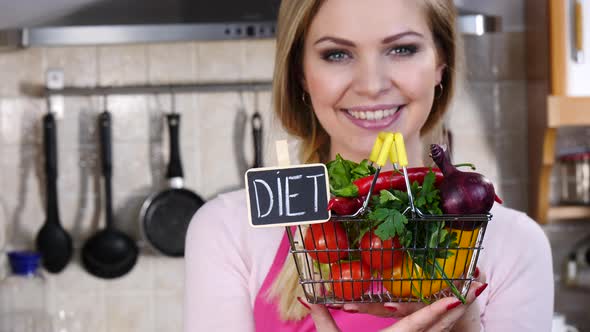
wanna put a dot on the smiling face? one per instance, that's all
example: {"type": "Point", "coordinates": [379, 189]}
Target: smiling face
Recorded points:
{"type": "Point", "coordinates": [371, 66]}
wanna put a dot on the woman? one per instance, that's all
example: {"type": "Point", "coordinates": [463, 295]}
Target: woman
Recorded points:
{"type": "Point", "coordinates": [345, 70]}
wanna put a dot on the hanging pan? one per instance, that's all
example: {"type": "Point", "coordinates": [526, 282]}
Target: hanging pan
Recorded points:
{"type": "Point", "coordinates": [165, 215]}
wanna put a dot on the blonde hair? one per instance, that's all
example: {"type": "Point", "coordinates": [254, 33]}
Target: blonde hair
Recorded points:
{"type": "Point", "coordinates": [298, 119]}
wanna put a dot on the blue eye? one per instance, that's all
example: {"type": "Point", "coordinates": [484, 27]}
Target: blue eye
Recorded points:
{"type": "Point", "coordinates": [335, 56]}
{"type": "Point", "coordinates": [404, 50]}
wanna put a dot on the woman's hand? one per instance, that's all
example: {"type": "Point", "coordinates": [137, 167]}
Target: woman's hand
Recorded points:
{"type": "Point", "coordinates": [443, 315]}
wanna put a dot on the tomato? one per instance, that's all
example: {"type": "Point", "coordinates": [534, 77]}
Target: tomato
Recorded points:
{"type": "Point", "coordinates": [377, 259]}
{"type": "Point", "coordinates": [351, 279]}
{"type": "Point", "coordinates": [328, 235]}
{"type": "Point", "coordinates": [409, 282]}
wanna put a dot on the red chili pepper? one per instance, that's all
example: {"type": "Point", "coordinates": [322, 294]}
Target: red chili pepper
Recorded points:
{"type": "Point", "coordinates": [395, 179]}
{"type": "Point", "coordinates": [386, 180]}
{"type": "Point", "coordinates": [345, 205]}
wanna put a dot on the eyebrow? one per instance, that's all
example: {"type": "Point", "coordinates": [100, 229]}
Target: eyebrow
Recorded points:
{"type": "Point", "coordinates": [386, 40]}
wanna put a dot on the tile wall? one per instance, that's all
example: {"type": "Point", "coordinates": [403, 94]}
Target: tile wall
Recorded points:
{"type": "Point", "coordinates": [150, 297]}
{"type": "Point", "coordinates": [489, 115]}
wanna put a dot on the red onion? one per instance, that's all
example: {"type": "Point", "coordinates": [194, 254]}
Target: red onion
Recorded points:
{"type": "Point", "coordinates": [462, 192]}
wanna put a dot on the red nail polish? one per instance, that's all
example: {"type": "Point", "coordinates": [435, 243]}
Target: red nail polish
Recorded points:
{"type": "Point", "coordinates": [480, 289]}
{"type": "Point", "coordinates": [350, 311]}
{"type": "Point", "coordinates": [303, 303]}
{"type": "Point", "coordinates": [476, 273]}
{"type": "Point", "coordinates": [392, 309]}
{"type": "Point", "coordinates": [453, 305]}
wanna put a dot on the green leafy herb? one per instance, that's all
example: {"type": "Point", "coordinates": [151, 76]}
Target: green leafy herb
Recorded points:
{"type": "Point", "coordinates": [386, 196]}
{"type": "Point", "coordinates": [436, 242]}
{"type": "Point", "coordinates": [343, 172]}
{"type": "Point", "coordinates": [363, 169]}
{"type": "Point", "coordinates": [388, 213]}
{"type": "Point", "coordinates": [394, 223]}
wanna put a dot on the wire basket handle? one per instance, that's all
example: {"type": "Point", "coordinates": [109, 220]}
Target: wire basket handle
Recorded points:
{"type": "Point", "coordinates": [392, 146]}
{"type": "Point", "coordinates": [399, 157]}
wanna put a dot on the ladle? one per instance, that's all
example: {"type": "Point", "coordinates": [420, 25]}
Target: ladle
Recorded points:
{"type": "Point", "coordinates": [53, 242]}
{"type": "Point", "coordinates": [109, 253]}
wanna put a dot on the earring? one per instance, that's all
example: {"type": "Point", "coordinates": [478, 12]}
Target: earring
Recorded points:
{"type": "Point", "coordinates": [440, 85]}
{"type": "Point", "coordinates": [304, 99]}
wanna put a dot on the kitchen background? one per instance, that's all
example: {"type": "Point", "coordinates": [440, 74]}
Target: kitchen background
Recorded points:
{"type": "Point", "coordinates": [488, 122]}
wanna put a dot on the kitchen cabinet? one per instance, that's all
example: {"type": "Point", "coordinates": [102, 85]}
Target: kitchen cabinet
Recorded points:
{"type": "Point", "coordinates": [563, 76]}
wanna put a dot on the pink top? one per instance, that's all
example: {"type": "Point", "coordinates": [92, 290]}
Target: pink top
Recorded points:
{"type": "Point", "coordinates": [229, 264]}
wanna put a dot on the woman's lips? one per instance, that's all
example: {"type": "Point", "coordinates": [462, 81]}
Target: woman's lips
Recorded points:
{"type": "Point", "coordinates": [374, 119]}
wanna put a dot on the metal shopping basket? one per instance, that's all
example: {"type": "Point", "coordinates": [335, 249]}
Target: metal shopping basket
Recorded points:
{"type": "Point", "coordinates": [420, 271]}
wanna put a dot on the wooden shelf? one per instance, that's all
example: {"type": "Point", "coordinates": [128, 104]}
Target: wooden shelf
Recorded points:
{"type": "Point", "coordinates": [568, 111]}
{"type": "Point", "coordinates": [561, 111]}
{"type": "Point", "coordinates": [568, 212]}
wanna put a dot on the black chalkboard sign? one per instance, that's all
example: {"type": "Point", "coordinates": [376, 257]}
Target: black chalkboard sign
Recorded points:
{"type": "Point", "coordinates": [285, 196]}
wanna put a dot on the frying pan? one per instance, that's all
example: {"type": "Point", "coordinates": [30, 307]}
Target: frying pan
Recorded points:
{"type": "Point", "coordinates": [165, 215]}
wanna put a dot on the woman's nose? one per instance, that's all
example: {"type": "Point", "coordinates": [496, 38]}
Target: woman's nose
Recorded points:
{"type": "Point", "coordinates": [372, 79]}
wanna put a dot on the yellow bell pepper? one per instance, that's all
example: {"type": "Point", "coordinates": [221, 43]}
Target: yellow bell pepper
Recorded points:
{"type": "Point", "coordinates": [416, 284]}
{"type": "Point", "coordinates": [456, 265]}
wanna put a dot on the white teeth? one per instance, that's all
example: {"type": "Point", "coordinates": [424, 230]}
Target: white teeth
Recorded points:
{"type": "Point", "coordinates": [374, 115]}
{"type": "Point", "coordinates": [379, 115]}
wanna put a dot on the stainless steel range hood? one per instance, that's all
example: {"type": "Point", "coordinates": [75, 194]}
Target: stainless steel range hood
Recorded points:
{"type": "Point", "coordinates": [110, 22]}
